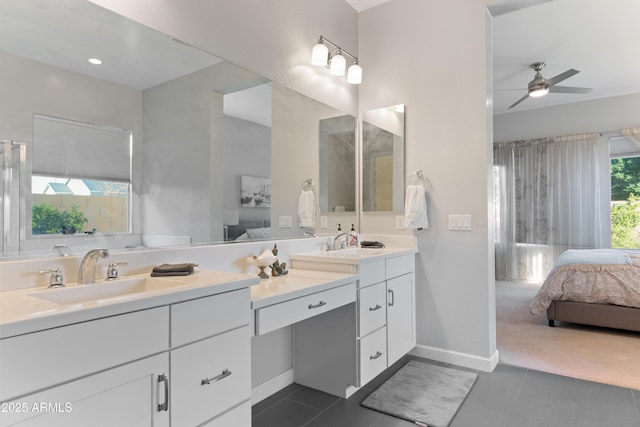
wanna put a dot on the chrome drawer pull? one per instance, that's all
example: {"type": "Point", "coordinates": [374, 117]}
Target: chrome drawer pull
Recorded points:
{"type": "Point", "coordinates": [320, 304]}
{"type": "Point", "coordinates": [392, 301]}
{"type": "Point", "coordinates": [375, 356]}
{"type": "Point", "coordinates": [217, 378]}
{"type": "Point", "coordinates": [377, 307]}
{"type": "Point", "coordinates": [162, 378]}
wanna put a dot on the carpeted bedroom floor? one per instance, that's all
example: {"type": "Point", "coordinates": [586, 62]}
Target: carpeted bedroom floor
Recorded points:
{"type": "Point", "coordinates": [597, 354]}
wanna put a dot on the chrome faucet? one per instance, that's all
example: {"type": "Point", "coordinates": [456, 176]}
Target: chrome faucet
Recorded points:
{"type": "Point", "coordinates": [87, 272]}
{"type": "Point", "coordinates": [333, 246]}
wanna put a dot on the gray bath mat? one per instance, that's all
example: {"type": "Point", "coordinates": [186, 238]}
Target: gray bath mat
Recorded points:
{"type": "Point", "coordinates": [423, 393]}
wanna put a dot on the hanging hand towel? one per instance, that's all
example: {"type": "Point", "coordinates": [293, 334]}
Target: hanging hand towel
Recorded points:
{"type": "Point", "coordinates": [307, 209]}
{"type": "Point", "coordinates": [415, 208]}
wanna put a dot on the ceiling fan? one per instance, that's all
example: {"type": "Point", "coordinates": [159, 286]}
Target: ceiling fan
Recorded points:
{"type": "Point", "coordinates": [540, 86]}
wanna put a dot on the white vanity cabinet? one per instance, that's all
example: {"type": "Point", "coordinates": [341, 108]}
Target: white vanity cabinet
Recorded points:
{"type": "Point", "coordinates": [211, 358]}
{"type": "Point", "coordinates": [344, 351]}
{"type": "Point", "coordinates": [182, 364]}
{"type": "Point", "coordinates": [38, 366]}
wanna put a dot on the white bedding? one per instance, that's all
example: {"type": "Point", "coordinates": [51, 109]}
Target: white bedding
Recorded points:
{"type": "Point", "coordinates": [614, 281]}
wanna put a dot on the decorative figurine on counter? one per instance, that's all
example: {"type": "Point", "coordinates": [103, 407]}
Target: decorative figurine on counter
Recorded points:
{"type": "Point", "coordinates": [278, 269]}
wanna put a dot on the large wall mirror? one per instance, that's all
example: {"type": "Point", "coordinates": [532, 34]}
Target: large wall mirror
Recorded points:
{"type": "Point", "coordinates": [208, 147]}
{"type": "Point", "coordinates": [338, 164]}
{"type": "Point", "coordinates": [383, 159]}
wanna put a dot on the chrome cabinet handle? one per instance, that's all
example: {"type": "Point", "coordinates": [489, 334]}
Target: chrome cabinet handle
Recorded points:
{"type": "Point", "coordinates": [375, 356]}
{"type": "Point", "coordinates": [320, 304]}
{"type": "Point", "coordinates": [164, 406]}
{"type": "Point", "coordinates": [217, 378]}
{"type": "Point", "coordinates": [393, 298]}
{"type": "Point", "coordinates": [377, 307]}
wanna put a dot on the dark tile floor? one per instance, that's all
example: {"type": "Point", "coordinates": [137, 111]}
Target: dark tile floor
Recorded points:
{"type": "Point", "coordinates": [507, 397]}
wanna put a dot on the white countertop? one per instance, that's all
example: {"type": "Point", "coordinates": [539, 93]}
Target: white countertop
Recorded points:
{"type": "Point", "coordinates": [353, 256]}
{"type": "Point", "coordinates": [22, 312]}
{"type": "Point", "coordinates": [295, 284]}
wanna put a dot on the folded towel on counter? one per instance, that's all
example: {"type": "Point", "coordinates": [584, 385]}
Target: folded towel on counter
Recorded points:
{"type": "Point", "coordinates": [307, 209]}
{"type": "Point", "coordinates": [371, 244]}
{"type": "Point", "coordinates": [183, 269]}
{"type": "Point", "coordinates": [415, 208]}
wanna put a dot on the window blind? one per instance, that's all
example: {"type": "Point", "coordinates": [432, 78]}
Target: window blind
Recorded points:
{"type": "Point", "coordinates": [73, 149]}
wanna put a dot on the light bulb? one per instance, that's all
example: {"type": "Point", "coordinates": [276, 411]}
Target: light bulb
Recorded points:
{"type": "Point", "coordinates": [338, 64]}
{"type": "Point", "coordinates": [319, 54]}
{"type": "Point", "coordinates": [538, 92]}
{"type": "Point", "coordinates": [354, 75]}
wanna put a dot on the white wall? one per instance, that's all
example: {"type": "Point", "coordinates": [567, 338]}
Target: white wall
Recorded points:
{"type": "Point", "coordinates": [600, 115]}
{"type": "Point", "coordinates": [433, 56]}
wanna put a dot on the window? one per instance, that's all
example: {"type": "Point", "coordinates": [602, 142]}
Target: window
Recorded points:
{"type": "Point", "coordinates": [625, 202]}
{"type": "Point", "coordinates": [81, 178]}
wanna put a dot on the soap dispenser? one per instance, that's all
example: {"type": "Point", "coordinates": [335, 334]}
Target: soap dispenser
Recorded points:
{"type": "Point", "coordinates": [353, 238]}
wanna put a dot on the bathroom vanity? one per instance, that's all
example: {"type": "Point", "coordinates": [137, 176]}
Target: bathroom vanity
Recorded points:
{"type": "Point", "coordinates": [342, 352]}
{"type": "Point", "coordinates": [142, 350]}
{"type": "Point", "coordinates": [177, 355]}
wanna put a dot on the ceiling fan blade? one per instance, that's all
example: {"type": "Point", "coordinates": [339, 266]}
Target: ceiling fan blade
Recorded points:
{"type": "Point", "coordinates": [519, 101]}
{"type": "Point", "coordinates": [570, 89]}
{"type": "Point", "coordinates": [562, 76]}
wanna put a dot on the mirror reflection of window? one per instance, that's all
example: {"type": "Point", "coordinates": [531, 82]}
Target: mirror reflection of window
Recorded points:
{"type": "Point", "coordinates": [81, 177]}
{"type": "Point", "coordinates": [383, 160]}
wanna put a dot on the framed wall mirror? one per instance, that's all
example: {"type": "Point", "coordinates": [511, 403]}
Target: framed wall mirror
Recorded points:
{"type": "Point", "coordinates": [383, 159]}
{"type": "Point", "coordinates": [193, 125]}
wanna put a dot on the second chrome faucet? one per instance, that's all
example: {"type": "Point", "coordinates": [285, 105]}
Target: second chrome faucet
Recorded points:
{"type": "Point", "coordinates": [87, 272]}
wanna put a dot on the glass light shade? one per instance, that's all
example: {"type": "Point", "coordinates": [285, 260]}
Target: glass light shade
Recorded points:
{"type": "Point", "coordinates": [354, 75]}
{"type": "Point", "coordinates": [542, 91]}
{"type": "Point", "coordinates": [319, 55]}
{"type": "Point", "coordinates": [338, 65]}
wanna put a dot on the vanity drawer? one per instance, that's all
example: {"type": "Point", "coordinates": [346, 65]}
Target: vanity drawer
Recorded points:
{"type": "Point", "coordinates": [372, 272]}
{"type": "Point", "coordinates": [209, 377]}
{"type": "Point", "coordinates": [39, 360]}
{"type": "Point", "coordinates": [289, 312]}
{"type": "Point", "coordinates": [373, 355]}
{"type": "Point", "coordinates": [205, 317]}
{"type": "Point", "coordinates": [372, 312]}
{"type": "Point", "coordinates": [397, 266]}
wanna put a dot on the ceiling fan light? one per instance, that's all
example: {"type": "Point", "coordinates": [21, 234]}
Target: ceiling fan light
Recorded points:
{"type": "Point", "coordinates": [320, 54]}
{"type": "Point", "coordinates": [338, 64]}
{"type": "Point", "coordinates": [537, 92]}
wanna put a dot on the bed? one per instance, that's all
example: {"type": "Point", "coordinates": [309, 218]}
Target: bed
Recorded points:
{"type": "Point", "coordinates": [599, 287]}
{"type": "Point", "coordinates": [249, 230]}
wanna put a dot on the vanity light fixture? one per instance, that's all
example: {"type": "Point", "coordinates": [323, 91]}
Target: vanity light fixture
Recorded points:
{"type": "Point", "coordinates": [94, 61]}
{"type": "Point", "coordinates": [335, 60]}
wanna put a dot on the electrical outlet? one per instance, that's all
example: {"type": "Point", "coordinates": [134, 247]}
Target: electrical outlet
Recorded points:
{"type": "Point", "coordinates": [399, 222]}
{"type": "Point", "coordinates": [285, 222]}
{"type": "Point", "coordinates": [323, 221]}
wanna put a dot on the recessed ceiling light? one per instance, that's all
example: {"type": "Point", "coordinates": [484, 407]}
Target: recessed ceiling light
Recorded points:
{"type": "Point", "coordinates": [95, 61]}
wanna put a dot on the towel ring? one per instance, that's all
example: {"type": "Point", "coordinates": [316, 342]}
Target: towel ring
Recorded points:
{"type": "Point", "coordinates": [417, 178]}
{"type": "Point", "coordinates": [307, 184]}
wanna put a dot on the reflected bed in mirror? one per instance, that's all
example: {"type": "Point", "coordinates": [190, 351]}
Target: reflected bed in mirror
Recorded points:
{"type": "Point", "coordinates": [197, 124]}
{"type": "Point", "coordinates": [383, 159]}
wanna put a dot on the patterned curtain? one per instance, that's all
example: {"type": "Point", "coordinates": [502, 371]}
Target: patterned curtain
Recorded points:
{"type": "Point", "coordinates": [546, 201]}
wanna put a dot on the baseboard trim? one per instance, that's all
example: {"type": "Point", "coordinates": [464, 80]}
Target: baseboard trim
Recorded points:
{"type": "Point", "coordinates": [271, 386]}
{"type": "Point", "coordinates": [486, 364]}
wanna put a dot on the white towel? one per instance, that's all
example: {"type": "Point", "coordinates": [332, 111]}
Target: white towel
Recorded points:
{"type": "Point", "coordinates": [307, 209]}
{"type": "Point", "coordinates": [415, 208]}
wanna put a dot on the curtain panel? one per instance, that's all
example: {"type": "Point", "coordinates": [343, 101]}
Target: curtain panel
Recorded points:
{"type": "Point", "coordinates": [546, 201]}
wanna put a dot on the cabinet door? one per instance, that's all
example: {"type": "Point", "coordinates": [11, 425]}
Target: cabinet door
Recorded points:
{"type": "Point", "coordinates": [130, 395]}
{"type": "Point", "coordinates": [401, 337]}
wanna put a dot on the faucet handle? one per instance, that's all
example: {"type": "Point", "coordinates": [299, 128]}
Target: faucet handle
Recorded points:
{"type": "Point", "coordinates": [55, 280]}
{"type": "Point", "coordinates": [112, 270]}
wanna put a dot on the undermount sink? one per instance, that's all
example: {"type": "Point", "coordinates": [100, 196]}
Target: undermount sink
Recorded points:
{"type": "Point", "coordinates": [106, 290]}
